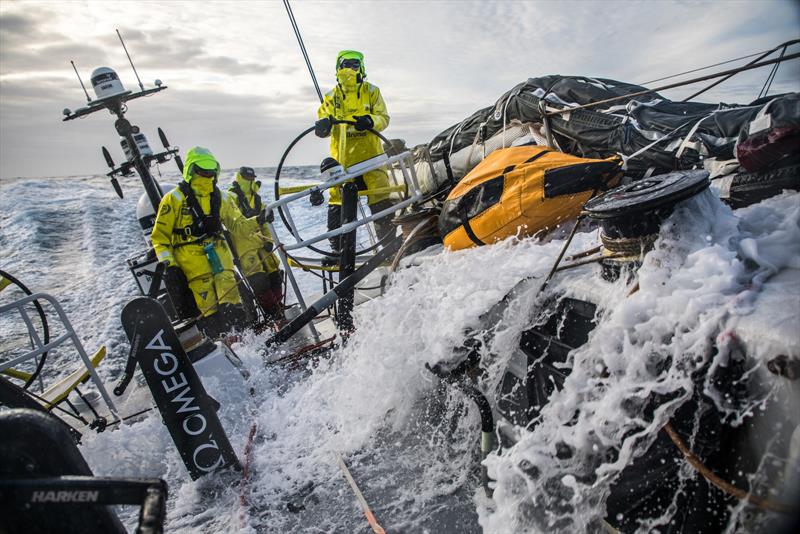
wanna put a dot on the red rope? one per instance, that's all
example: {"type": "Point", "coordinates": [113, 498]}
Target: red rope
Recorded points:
{"type": "Point", "coordinates": [298, 354]}
{"type": "Point", "coordinates": [248, 449]}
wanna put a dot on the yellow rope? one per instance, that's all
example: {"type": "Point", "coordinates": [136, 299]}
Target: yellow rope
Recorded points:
{"type": "Point", "coordinates": [308, 267]}
{"type": "Point", "coordinates": [362, 193]}
{"type": "Point", "coordinates": [289, 189]}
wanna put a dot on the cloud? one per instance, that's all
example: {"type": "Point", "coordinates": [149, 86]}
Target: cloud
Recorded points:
{"type": "Point", "coordinates": [182, 53]}
{"type": "Point", "coordinates": [16, 25]}
{"type": "Point", "coordinates": [237, 80]}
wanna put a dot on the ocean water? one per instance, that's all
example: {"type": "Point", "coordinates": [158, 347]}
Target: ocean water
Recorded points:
{"type": "Point", "coordinates": [411, 443]}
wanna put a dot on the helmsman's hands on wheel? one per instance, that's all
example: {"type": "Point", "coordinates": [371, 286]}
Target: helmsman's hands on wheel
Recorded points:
{"type": "Point", "coordinates": [322, 128]}
{"type": "Point", "coordinates": [316, 198]}
{"type": "Point", "coordinates": [363, 122]}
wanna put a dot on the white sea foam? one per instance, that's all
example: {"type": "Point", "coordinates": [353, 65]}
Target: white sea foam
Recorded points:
{"type": "Point", "coordinates": [693, 287]}
{"type": "Point", "coordinates": [410, 442]}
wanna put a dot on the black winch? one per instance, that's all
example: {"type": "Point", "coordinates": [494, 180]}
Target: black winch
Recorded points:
{"type": "Point", "coordinates": [630, 215]}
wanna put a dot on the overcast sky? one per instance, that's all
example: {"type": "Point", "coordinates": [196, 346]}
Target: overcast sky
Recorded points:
{"type": "Point", "coordinates": [238, 84]}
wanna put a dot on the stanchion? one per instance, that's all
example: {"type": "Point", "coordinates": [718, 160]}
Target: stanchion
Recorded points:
{"type": "Point", "coordinates": [347, 260]}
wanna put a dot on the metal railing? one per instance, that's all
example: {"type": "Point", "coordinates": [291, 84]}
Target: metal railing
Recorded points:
{"type": "Point", "coordinates": [404, 162]}
{"type": "Point", "coordinates": [40, 347]}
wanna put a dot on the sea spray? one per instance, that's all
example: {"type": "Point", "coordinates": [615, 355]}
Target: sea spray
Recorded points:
{"type": "Point", "coordinates": [648, 343]}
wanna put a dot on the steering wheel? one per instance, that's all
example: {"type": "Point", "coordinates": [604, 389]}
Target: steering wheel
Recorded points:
{"type": "Point", "coordinates": [296, 235]}
{"type": "Point", "coordinates": [45, 327]}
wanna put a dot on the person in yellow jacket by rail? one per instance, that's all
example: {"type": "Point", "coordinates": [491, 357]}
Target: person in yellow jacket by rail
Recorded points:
{"type": "Point", "coordinates": [188, 237]}
{"type": "Point", "coordinates": [260, 264]}
{"type": "Point", "coordinates": [355, 99]}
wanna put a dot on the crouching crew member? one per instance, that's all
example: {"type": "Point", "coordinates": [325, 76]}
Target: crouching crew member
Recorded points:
{"type": "Point", "coordinates": [188, 237]}
{"type": "Point", "coordinates": [259, 263]}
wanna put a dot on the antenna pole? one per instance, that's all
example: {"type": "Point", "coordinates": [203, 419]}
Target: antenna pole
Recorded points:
{"type": "Point", "coordinates": [88, 98]}
{"type": "Point", "coordinates": [129, 59]}
{"type": "Point", "coordinates": [302, 47]}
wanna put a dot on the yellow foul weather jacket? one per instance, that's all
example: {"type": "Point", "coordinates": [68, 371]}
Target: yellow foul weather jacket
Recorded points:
{"type": "Point", "coordinates": [349, 146]}
{"type": "Point", "coordinates": [253, 256]}
{"type": "Point", "coordinates": [174, 244]}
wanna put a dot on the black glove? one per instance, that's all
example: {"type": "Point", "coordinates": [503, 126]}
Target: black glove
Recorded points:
{"type": "Point", "coordinates": [322, 128]}
{"type": "Point", "coordinates": [316, 198]}
{"type": "Point", "coordinates": [265, 216]}
{"type": "Point", "coordinates": [172, 274]}
{"type": "Point", "coordinates": [363, 122]}
{"type": "Point", "coordinates": [268, 246]}
{"type": "Point", "coordinates": [179, 293]}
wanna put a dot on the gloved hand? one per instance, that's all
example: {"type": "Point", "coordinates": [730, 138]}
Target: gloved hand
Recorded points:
{"type": "Point", "coordinates": [265, 216]}
{"type": "Point", "coordinates": [171, 270]}
{"type": "Point", "coordinates": [173, 275]}
{"type": "Point", "coordinates": [322, 128]}
{"type": "Point", "coordinates": [316, 198]}
{"type": "Point", "coordinates": [363, 122]}
{"type": "Point", "coordinates": [266, 241]}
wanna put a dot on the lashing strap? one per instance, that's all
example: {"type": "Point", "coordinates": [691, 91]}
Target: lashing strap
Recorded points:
{"type": "Point", "coordinates": [468, 228]}
{"type": "Point", "coordinates": [202, 224]}
{"type": "Point", "coordinates": [244, 207]}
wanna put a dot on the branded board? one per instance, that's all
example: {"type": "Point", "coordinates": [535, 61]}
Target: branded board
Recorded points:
{"type": "Point", "coordinates": [186, 409]}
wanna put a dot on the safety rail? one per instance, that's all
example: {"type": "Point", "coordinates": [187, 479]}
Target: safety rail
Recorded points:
{"type": "Point", "coordinates": [404, 162]}
{"type": "Point", "coordinates": [40, 347]}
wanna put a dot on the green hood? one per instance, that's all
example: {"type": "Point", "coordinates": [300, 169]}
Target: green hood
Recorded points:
{"type": "Point", "coordinates": [352, 54]}
{"type": "Point", "coordinates": [203, 158]}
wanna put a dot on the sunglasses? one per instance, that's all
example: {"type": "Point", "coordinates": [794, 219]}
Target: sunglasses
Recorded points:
{"type": "Point", "coordinates": [205, 173]}
{"type": "Point", "coordinates": [354, 64]}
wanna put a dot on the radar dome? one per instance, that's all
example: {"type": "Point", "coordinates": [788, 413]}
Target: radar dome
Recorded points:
{"type": "Point", "coordinates": [106, 82]}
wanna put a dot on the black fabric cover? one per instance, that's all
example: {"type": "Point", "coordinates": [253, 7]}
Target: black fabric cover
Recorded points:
{"type": "Point", "coordinates": [620, 127]}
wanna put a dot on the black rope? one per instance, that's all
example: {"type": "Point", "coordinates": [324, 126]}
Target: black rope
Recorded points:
{"type": "Point", "coordinates": [771, 77]}
{"type": "Point", "coordinates": [729, 76]}
{"type": "Point", "coordinates": [302, 47]}
{"type": "Point", "coordinates": [727, 73]}
{"type": "Point", "coordinates": [704, 68]}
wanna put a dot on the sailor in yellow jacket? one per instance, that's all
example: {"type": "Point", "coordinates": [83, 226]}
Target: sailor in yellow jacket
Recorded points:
{"type": "Point", "coordinates": [188, 237]}
{"type": "Point", "coordinates": [261, 266]}
{"type": "Point", "coordinates": [355, 99]}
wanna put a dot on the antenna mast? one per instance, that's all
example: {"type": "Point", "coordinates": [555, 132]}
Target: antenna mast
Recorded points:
{"type": "Point", "coordinates": [131, 61]}
{"type": "Point", "coordinates": [302, 47]}
{"type": "Point", "coordinates": [88, 98]}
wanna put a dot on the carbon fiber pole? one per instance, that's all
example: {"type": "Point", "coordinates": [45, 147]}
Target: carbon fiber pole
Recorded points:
{"type": "Point", "coordinates": [331, 296]}
{"type": "Point", "coordinates": [347, 261]}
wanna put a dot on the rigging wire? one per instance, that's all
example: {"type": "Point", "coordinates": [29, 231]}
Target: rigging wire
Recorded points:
{"type": "Point", "coordinates": [302, 47]}
{"type": "Point", "coordinates": [727, 73]}
{"type": "Point", "coordinates": [771, 77]}
{"type": "Point", "coordinates": [746, 65]}
{"type": "Point", "coordinates": [704, 68]}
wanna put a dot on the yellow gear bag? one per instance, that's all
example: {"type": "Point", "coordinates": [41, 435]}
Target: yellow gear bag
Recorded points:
{"type": "Point", "coordinates": [521, 191]}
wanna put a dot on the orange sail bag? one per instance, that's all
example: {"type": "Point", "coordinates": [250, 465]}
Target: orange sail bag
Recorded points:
{"type": "Point", "coordinates": [521, 191]}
